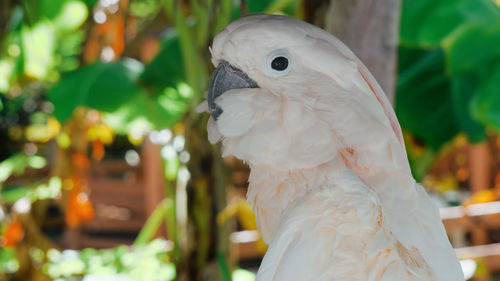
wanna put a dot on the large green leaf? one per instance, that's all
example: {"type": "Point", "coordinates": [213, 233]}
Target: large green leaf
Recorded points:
{"type": "Point", "coordinates": [486, 104]}
{"type": "Point", "coordinates": [463, 89]}
{"type": "Point", "coordinates": [49, 8]}
{"type": "Point", "coordinates": [426, 22]}
{"type": "Point", "coordinates": [436, 96]}
{"type": "Point", "coordinates": [102, 86]}
{"type": "Point", "coordinates": [147, 112]}
{"type": "Point", "coordinates": [423, 100]}
{"type": "Point", "coordinates": [167, 67]}
{"type": "Point", "coordinates": [472, 45]}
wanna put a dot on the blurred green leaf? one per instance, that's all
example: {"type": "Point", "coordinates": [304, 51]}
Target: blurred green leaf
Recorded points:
{"type": "Point", "coordinates": [6, 69]}
{"type": "Point", "coordinates": [453, 94]}
{"type": "Point", "coordinates": [202, 25]}
{"type": "Point", "coordinates": [227, 8]}
{"type": "Point", "coordinates": [423, 101]}
{"type": "Point", "coordinates": [43, 191]}
{"type": "Point", "coordinates": [194, 65]}
{"type": "Point", "coordinates": [463, 90]}
{"type": "Point", "coordinates": [470, 46]}
{"type": "Point", "coordinates": [15, 50]}
{"type": "Point", "coordinates": [11, 195]}
{"type": "Point", "coordinates": [91, 3]}
{"type": "Point", "coordinates": [425, 23]}
{"type": "Point", "coordinates": [16, 19]}
{"type": "Point", "coordinates": [18, 163]}
{"type": "Point", "coordinates": [258, 6]}
{"type": "Point", "coordinates": [148, 112]}
{"type": "Point", "coordinates": [8, 261]}
{"type": "Point", "coordinates": [68, 51]}
{"type": "Point", "coordinates": [101, 86]}
{"type": "Point", "coordinates": [486, 104]}
{"type": "Point", "coordinates": [144, 9]}
{"type": "Point", "coordinates": [49, 9]}
{"type": "Point", "coordinates": [287, 6]}
{"type": "Point", "coordinates": [36, 162]}
{"type": "Point", "coordinates": [68, 263]}
{"type": "Point", "coordinates": [147, 262]}
{"type": "Point", "coordinates": [38, 48]}
{"type": "Point", "coordinates": [71, 16]}
{"type": "Point", "coordinates": [167, 68]}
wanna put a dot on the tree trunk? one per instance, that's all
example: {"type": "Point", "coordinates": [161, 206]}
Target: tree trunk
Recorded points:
{"type": "Point", "coordinates": [371, 29]}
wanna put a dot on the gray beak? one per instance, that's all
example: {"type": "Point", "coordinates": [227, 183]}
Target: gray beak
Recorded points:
{"type": "Point", "coordinates": [225, 78]}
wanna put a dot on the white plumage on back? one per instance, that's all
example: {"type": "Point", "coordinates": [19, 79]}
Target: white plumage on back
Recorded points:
{"type": "Point", "coordinates": [330, 182]}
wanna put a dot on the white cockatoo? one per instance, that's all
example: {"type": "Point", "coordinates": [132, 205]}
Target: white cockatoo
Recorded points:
{"type": "Point", "coordinates": [330, 182]}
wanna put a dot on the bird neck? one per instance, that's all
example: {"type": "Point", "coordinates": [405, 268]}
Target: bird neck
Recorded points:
{"type": "Point", "coordinates": [272, 189]}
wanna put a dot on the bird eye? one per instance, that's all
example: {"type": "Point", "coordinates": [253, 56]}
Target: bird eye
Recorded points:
{"type": "Point", "coordinates": [279, 63]}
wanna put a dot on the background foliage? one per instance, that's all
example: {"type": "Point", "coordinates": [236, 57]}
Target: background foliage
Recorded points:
{"type": "Point", "coordinates": [75, 76]}
{"type": "Point", "coordinates": [448, 70]}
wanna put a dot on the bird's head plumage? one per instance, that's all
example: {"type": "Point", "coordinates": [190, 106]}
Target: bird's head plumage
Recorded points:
{"type": "Point", "coordinates": [286, 93]}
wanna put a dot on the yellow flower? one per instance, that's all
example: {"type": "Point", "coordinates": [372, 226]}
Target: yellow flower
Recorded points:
{"type": "Point", "coordinates": [100, 132]}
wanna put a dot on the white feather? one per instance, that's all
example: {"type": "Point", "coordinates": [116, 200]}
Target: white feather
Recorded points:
{"type": "Point", "coordinates": [202, 107]}
{"type": "Point", "coordinates": [213, 134]}
{"type": "Point", "coordinates": [238, 117]}
{"type": "Point", "coordinates": [338, 233]}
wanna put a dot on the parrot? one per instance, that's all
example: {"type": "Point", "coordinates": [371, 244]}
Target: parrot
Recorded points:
{"type": "Point", "coordinates": [330, 183]}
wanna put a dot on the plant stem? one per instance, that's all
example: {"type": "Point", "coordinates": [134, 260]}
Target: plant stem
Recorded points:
{"type": "Point", "coordinates": [223, 266]}
{"type": "Point", "coordinates": [154, 221]}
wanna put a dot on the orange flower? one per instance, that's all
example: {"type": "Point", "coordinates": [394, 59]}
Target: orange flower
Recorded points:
{"type": "Point", "coordinates": [79, 209]}
{"type": "Point", "coordinates": [97, 150]}
{"type": "Point", "coordinates": [72, 218]}
{"type": "Point", "coordinates": [13, 234]}
{"type": "Point", "coordinates": [85, 209]}
{"type": "Point", "coordinates": [80, 160]}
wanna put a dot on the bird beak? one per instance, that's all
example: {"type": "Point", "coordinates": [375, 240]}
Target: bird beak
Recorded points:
{"type": "Point", "coordinates": [226, 77]}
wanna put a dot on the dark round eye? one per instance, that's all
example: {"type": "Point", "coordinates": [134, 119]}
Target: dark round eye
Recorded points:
{"type": "Point", "coordinates": [279, 63]}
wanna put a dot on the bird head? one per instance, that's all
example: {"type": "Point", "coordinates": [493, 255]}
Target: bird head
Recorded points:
{"type": "Point", "coordinates": [286, 93]}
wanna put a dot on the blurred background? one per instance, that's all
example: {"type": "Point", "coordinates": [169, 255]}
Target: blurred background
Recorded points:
{"type": "Point", "coordinates": [106, 173]}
